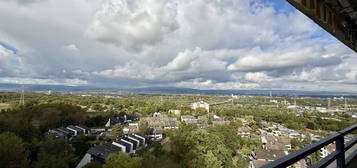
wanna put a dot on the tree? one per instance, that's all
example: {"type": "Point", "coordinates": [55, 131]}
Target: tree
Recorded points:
{"type": "Point", "coordinates": [143, 127]}
{"type": "Point", "coordinates": [228, 134]}
{"type": "Point", "coordinates": [315, 157]}
{"type": "Point", "coordinates": [97, 107]}
{"type": "Point", "coordinates": [236, 124]}
{"type": "Point", "coordinates": [82, 143]}
{"type": "Point", "coordinates": [122, 160]}
{"type": "Point", "coordinates": [296, 144]}
{"type": "Point", "coordinates": [13, 153]}
{"type": "Point", "coordinates": [210, 160]}
{"type": "Point", "coordinates": [151, 161]}
{"type": "Point", "coordinates": [249, 118]}
{"type": "Point", "coordinates": [240, 162]}
{"type": "Point", "coordinates": [199, 148]}
{"type": "Point", "coordinates": [179, 145]}
{"type": "Point", "coordinates": [310, 125]}
{"type": "Point", "coordinates": [201, 111]}
{"type": "Point", "coordinates": [117, 131]}
{"type": "Point", "coordinates": [95, 121]}
{"type": "Point", "coordinates": [293, 125]}
{"type": "Point", "coordinates": [93, 165]}
{"type": "Point", "coordinates": [54, 153]}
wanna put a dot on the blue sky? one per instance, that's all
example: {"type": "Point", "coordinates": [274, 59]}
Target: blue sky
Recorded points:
{"type": "Point", "coordinates": [8, 47]}
{"type": "Point", "coordinates": [202, 44]}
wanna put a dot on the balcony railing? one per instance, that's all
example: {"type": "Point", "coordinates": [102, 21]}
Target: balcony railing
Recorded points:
{"type": "Point", "coordinates": [338, 155]}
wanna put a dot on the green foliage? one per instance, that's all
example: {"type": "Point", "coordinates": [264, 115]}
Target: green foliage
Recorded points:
{"type": "Point", "coordinates": [285, 116]}
{"type": "Point", "coordinates": [117, 131]}
{"type": "Point", "coordinates": [315, 157]}
{"type": "Point", "coordinates": [180, 147]}
{"type": "Point", "coordinates": [310, 125]}
{"type": "Point", "coordinates": [82, 143]}
{"type": "Point", "coordinates": [93, 165]}
{"type": "Point", "coordinates": [236, 124]}
{"type": "Point", "coordinates": [200, 111]}
{"type": "Point", "coordinates": [249, 118]}
{"type": "Point", "coordinates": [151, 161]}
{"type": "Point", "coordinates": [54, 153]}
{"type": "Point", "coordinates": [200, 148]}
{"type": "Point", "coordinates": [122, 160]}
{"type": "Point", "coordinates": [247, 145]}
{"type": "Point", "coordinates": [44, 116]}
{"type": "Point", "coordinates": [13, 153]}
{"type": "Point", "coordinates": [209, 160]}
{"type": "Point", "coordinates": [296, 144]}
{"type": "Point", "coordinates": [143, 127]}
{"type": "Point", "coordinates": [97, 121]}
{"type": "Point", "coordinates": [240, 162]}
{"type": "Point", "coordinates": [228, 134]}
{"type": "Point", "coordinates": [30, 122]}
{"type": "Point", "coordinates": [97, 107]}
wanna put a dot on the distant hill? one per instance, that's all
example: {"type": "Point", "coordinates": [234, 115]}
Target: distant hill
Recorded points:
{"type": "Point", "coordinates": [174, 90]}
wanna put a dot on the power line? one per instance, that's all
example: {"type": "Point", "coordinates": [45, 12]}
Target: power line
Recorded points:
{"type": "Point", "coordinates": [22, 97]}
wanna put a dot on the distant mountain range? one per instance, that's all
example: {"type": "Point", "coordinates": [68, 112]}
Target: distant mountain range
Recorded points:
{"type": "Point", "coordinates": [174, 90]}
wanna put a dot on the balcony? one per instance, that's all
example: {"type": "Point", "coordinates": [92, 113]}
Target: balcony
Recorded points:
{"type": "Point", "coordinates": [343, 157]}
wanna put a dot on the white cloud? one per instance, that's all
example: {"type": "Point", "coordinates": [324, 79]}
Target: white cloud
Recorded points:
{"type": "Point", "coordinates": [199, 60]}
{"type": "Point", "coordinates": [10, 63]}
{"type": "Point", "coordinates": [202, 43]}
{"type": "Point", "coordinates": [71, 47]}
{"type": "Point", "coordinates": [281, 58]}
{"type": "Point", "coordinates": [68, 82]}
{"type": "Point", "coordinates": [24, 2]}
{"type": "Point", "coordinates": [257, 77]}
{"type": "Point", "coordinates": [129, 70]}
{"type": "Point", "coordinates": [199, 83]}
{"type": "Point", "coordinates": [133, 23]}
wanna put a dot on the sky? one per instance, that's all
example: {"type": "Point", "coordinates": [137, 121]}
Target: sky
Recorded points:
{"type": "Point", "coordinates": [201, 44]}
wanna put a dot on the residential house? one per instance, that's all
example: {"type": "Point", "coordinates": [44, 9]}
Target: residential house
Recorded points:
{"type": "Point", "coordinates": [69, 132]}
{"type": "Point", "coordinates": [99, 153]}
{"type": "Point", "coordinates": [58, 134]}
{"type": "Point", "coordinates": [244, 131]}
{"type": "Point", "coordinates": [155, 133]}
{"type": "Point", "coordinates": [258, 163]}
{"type": "Point", "coordinates": [261, 157]}
{"type": "Point", "coordinates": [268, 155]}
{"type": "Point", "coordinates": [175, 112]}
{"type": "Point", "coordinates": [188, 119]}
{"type": "Point", "coordinates": [77, 131]}
{"type": "Point", "coordinates": [219, 121]}
{"type": "Point", "coordinates": [327, 150]}
{"type": "Point", "coordinates": [131, 128]}
{"type": "Point", "coordinates": [122, 119]}
{"type": "Point", "coordinates": [201, 121]}
{"type": "Point", "coordinates": [163, 121]}
{"type": "Point", "coordinates": [271, 142]}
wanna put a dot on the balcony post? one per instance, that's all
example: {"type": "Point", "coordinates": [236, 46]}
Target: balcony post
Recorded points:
{"type": "Point", "coordinates": [340, 148]}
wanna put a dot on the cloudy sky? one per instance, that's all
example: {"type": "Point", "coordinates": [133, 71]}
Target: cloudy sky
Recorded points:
{"type": "Point", "coordinates": [203, 44]}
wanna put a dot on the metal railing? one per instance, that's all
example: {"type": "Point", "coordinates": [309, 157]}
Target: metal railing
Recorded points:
{"type": "Point", "coordinates": [338, 154]}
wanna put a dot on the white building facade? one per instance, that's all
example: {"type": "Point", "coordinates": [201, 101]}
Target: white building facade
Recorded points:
{"type": "Point", "coordinates": [201, 104]}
